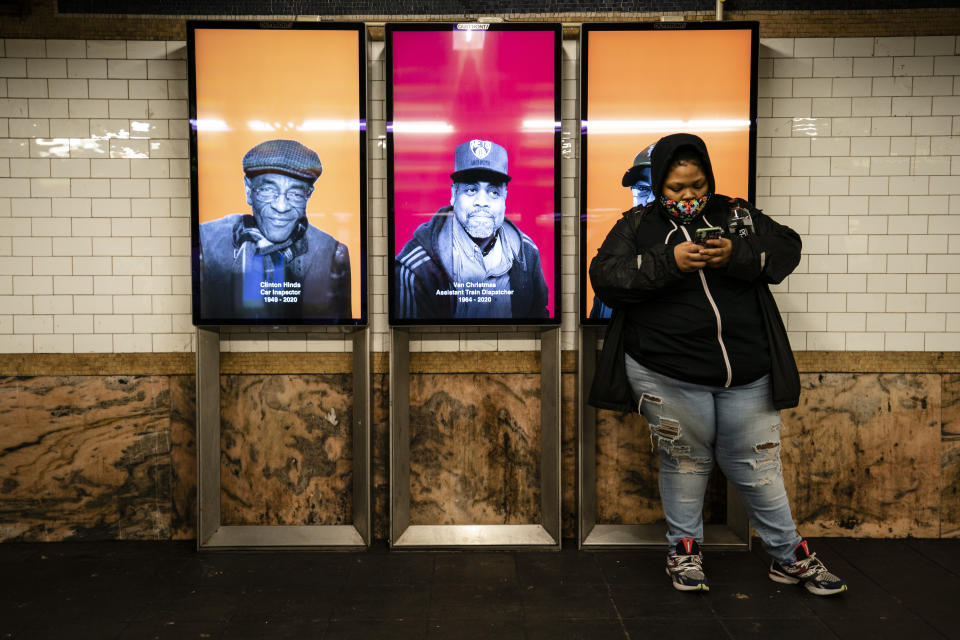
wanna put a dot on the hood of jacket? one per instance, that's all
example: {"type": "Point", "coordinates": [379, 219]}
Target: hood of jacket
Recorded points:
{"type": "Point", "coordinates": [664, 151]}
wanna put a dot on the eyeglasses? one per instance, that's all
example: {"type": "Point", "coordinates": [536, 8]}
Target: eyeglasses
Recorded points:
{"type": "Point", "coordinates": [296, 196]}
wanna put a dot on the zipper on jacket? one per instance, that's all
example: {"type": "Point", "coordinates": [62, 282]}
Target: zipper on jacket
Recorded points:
{"type": "Point", "coordinates": [713, 305]}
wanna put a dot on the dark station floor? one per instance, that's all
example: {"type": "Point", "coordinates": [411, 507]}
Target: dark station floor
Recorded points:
{"type": "Point", "coordinates": [898, 589]}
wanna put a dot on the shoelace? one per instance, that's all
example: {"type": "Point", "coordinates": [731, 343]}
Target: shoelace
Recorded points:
{"type": "Point", "coordinates": [689, 563]}
{"type": "Point", "coordinates": [811, 566]}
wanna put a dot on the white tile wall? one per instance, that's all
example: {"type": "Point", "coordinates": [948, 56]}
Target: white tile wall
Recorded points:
{"type": "Point", "coordinates": [858, 150]}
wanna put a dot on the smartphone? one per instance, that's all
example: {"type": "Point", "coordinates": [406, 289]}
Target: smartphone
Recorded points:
{"type": "Point", "coordinates": [704, 234]}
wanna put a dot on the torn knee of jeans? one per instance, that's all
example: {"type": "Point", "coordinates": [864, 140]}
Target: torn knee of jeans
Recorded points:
{"type": "Point", "coordinates": [692, 464]}
{"type": "Point", "coordinates": [768, 459]}
{"type": "Point", "coordinates": [667, 429]}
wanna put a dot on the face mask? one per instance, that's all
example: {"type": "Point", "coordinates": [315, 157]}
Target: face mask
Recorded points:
{"type": "Point", "coordinates": [685, 210]}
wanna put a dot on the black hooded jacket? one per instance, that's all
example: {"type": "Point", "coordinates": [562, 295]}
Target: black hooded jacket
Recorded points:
{"type": "Point", "coordinates": [715, 326]}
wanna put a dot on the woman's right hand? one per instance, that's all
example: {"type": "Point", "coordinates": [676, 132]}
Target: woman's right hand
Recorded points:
{"type": "Point", "coordinates": [688, 256]}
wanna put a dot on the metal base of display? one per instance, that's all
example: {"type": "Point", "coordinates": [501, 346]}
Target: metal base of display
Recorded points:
{"type": "Point", "coordinates": [735, 534]}
{"type": "Point", "coordinates": [211, 534]}
{"type": "Point", "coordinates": [545, 535]}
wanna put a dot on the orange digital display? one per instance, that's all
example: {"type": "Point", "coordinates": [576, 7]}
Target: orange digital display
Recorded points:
{"type": "Point", "coordinates": [643, 82]}
{"type": "Point", "coordinates": [279, 196]}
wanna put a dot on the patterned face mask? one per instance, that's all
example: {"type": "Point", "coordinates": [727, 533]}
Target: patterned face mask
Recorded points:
{"type": "Point", "coordinates": [685, 210]}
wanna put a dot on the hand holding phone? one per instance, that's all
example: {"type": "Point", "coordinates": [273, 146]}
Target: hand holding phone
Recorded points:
{"type": "Point", "coordinates": [707, 233]}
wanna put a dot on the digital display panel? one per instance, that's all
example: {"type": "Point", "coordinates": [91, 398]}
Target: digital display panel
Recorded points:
{"type": "Point", "coordinates": [473, 136]}
{"type": "Point", "coordinates": [624, 114]}
{"type": "Point", "coordinates": [277, 115]}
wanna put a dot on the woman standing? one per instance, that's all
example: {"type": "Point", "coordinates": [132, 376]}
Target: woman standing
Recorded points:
{"type": "Point", "coordinates": [696, 344]}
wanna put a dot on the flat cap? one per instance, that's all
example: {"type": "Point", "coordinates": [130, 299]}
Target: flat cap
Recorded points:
{"type": "Point", "coordinates": [288, 157]}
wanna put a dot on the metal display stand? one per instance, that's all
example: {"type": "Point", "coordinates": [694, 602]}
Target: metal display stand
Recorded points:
{"type": "Point", "coordinates": [211, 534]}
{"type": "Point", "coordinates": [735, 534]}
{"type": "Point", "coordinates": [545, 535]}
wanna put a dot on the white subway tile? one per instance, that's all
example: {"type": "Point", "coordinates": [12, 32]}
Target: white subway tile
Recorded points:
{"type": "Point", "coordinates": [894, 46]}
{"type": "Point", "coordinates": [852, 127]}
{"type": "Point", "coordinates": [848, 244]}
{"type": "Point", "coordinates": [133, 188]}
{"type": "Point", "coordinates": [151, 208]}
{"type": "Point", "coordinates": [812, 88]}
{"type": "Point", "coordinates": [892, 126]}
{"type": "Point", "coordinates": [790, 147]}
{"type": "Point", "coordinates": [896, 86]}
{"type": "Point", "coordinates": [927, 244]}
{"type": "Point", "coordinates": [87, 343]}
{"type": "Point", "coordinates": [92, 266]}
{"type": "Point", "coordinates": [931, 126]}
{"type": "Point", "coordinates": [789, 302]}
{"type": "Point", "coordinates": [52, 343]}
{"type": "Point", "coordinates": [789, 186]}
{"type": "Point", "coordinates": [811, 127]}
{"type": "Point", "coordinates": [946, 302]}
{"type": "Point", "coordinates": [72, 285]}
{"type": "Point", "coordinates": [166, 69]}
{"type": "Point", "coordinates": [935, 45]}
{"type": "Point", "coordinates": [81, 108]}
{"type": "Point", "coordinates": [71, 207]}
{"type": "Point", "coordinates": [67, 48]}
{"type": "Point", "coordinates": [830, 107]}
{"type": "Point", "coordinates": [73, 324]}
{"type": "Point", "coordinates": [129, 148]}
{"type": "Point", "coordinates": [907, 264]}
{"type": "Point", "coordinates": [130, 266]}
{"type": "Point", "coordinates": [871, 107]}
{"type": "Point", "coordinates": [47, 108]}
{"type": "Point", "coordinates": [161, 227]}
{"type": "Point", "coordinates": [829, 186]}
{"type": "Point", "coordinates": [873, 66]}
{"type": "Point", "coordinates": [110, 168]}
{"type": "Point", "coordinates": [169, 188]}
{"type": "Point", "coordinates": [829, 146]}
{"type": "Point", "coordinates": [151, 285]}
{"type": "Point", "coordinates": [861, 341]}
{"type": "Point", "coordinates": [821, 341]}
{"type": "Point", "coordinates": [912, 106]}
{"type": "Point", "coordinates": [86, 68]}
{"type": "Point", "coordinates": [853, 47]}
{"type": "Point", "coordinates": [68, 88]}
{"type": "Point", "coordinates": [89, 188]}
{"type": "Point", "coordinates": [872, 225]}
{"type": "Point", "coordinates": [946, 66]}
{"type": "Point", "coordinates": [132, 343]}
{"type": "Point", "coordinates": [850, 166]}
{"type": "Point", "coordinates": [69, 246]}
{"type": "Point", "coordinates": [812, 47]}
{"type": "Point", "coordinates": [52, 305]}
{"type": "Point", "coordinates": [860, 263]}
{"type": "Point", "coordinates": [106, 49]}
{"type": "Point", "coordinates": [933, 86]}
{"type": "Point", "coordinates": [929, 205]}
{"type": "Point", "coordinates": [46, 68]}
{"type": "Point", "coordinates": [800, 283]}
{"type": "Point", "coordinates": [775, 88]}
{"type": "Point", "coordinates": [944, 185]}
{"type": "Point", "coordinates": [169, 109]}
{"type": "Point", "coordinates": [29, 168]}
{"type": "Point", "coordinates": [838, 322]}
{"type": "Point", "coordinates": [913, 66]}
{"type": "Point", "coordinates": [819, 166]}
{"type": "Point", "coordinates": [946, 106]}
{"type": "Point", "coordinates": [30, 207]}
{"type": "Point", "coordinates": [111, 207]}
{"type": "Point", "coordinates": [941, 341]}
{"type": "Point", "coordinates": [943, 146]}
{"type": "Point", "coordinates": [866, 302]}
{"type": "Point", "coordinates": [175, 342]}
{"type": "Point", "coordinates": [927, 283]}
{"type": "Point", "coordinates": [169, 149]}
{"type": "Point", "coordinates": [139, 304]}
{"type": "Point", "coordinates": [887, 244]}
{"type": "Point", "coordinates": [147, 50]}
{"type": "Point", "coordinates": [27, 88]}
{"type": "Point", "coordinates": [175, 266]}
{"type": "Point", "coordinates": [899, 224]}
{"type": "Point", "coordinates": [852, 87]}
{"type": "Point", "coordinates": [825, 302]}
{"type": "Point", "coordinates": [886, 322]}
{"type": "Point", "coordinates": [832, 67]}
{"type": "Point", "coordinates": [944, 224]}
{"type": "Point", "coordinates": [909, 185]}
{"type": "Point", "coordinates": [92, 304]}
{"type": "Point", "coordinates": [128, 109]}
{"type": "Point", "coordinates": [127, 69]}
{"type": "Point", "coordinates": [176, 50]}
{"type": "Point", "coordinates": [890, 166]}
{"type": "Point", "coordinates": [106, 89]}
{"type": "Point", "coordinates": [889, 283]}
{"type": "Point", "coordinates": [174, 305]}
{"type": "Point", "coordinates": [918, 322]}
{"type": "Point", "coordinates": [828, 225]}
{"type": "Point", "coordinates": [50, 227]}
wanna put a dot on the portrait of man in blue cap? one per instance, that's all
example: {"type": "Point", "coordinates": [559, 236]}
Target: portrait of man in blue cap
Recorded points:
{"type": "Point", "coordinates": [272, 263]}
{"type": "Point", "coordinates": [637, 178]}
{"type": "Point", "coordinates": [470, 260]}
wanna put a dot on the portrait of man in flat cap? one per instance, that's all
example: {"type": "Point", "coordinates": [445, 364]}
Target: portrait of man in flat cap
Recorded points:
{"type": "Point", "coordinates": [272, 263]}
{"type": "Point", "coordinates": [470, 260]}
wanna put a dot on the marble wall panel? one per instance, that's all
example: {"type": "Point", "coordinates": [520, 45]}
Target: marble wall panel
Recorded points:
{"type": "Point", "coordinates": [380, 445]}
{"type": "Point", "coordinates": [627, 469]}
{"type": "Point", "coordinates": [950, 489]}
{"type": "Point", "coordinates": [474, 449]}
{"type": "Point", "coordinates": [183, 457]}
{"type": "Point", "coordinates": [286, 449]}
{"type": "Point", "coordinates": [862, 457]}
{"type": "Point", "coordinates": [84, 457]}
{"type": "Point", "coordinates": [950, 406]}
{"type": "Point", "coordinates": [568, 455]}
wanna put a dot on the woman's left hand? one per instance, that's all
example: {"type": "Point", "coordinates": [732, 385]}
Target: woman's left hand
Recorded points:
{"type": "Point", "coordinates": [717, 252]}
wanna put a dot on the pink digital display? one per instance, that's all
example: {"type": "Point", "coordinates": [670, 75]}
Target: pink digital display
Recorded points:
{"type": "Point", "coordinates": [481, 246]}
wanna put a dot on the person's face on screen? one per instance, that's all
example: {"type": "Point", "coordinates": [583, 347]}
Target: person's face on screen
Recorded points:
{"type": "Point", "coordinates": [479, 207]}
{"type": "Point", "coordinates": [642, 193]}
{"type": "Point", "coordinates": [278, 201]}
{"type": "Point", "coordinates": [685, 181]}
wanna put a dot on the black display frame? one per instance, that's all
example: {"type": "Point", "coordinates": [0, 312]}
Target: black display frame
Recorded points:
{"type": "Point", "coordinates": [361, 30]}
{"type": "Point", "coordinates": [752, 26]}
{"type": "Point", "coordinates": [557, 30]}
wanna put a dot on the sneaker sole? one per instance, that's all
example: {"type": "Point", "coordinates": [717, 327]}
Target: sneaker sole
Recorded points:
{"type": "Point", "coordinates": [809, 586]}
{"type": "Point", "coordinates": [685, 587]}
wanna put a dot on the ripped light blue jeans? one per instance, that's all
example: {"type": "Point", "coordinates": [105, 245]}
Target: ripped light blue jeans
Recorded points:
{"type": "Point", "coordinates": [694, 427]}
